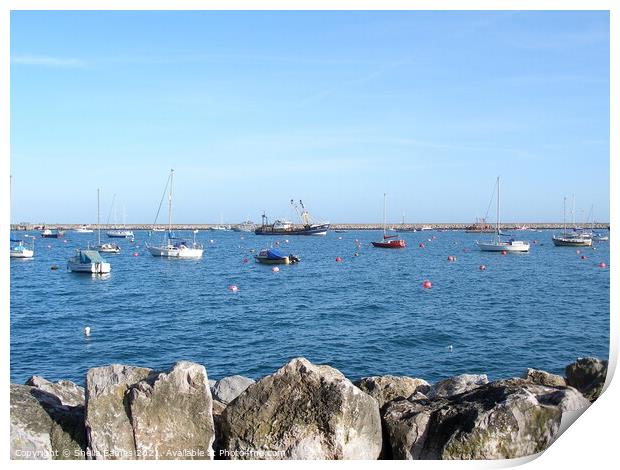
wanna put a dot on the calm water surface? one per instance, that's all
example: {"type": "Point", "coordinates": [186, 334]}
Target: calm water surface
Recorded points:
{"type": "Point", "coordinates": [366, 315]}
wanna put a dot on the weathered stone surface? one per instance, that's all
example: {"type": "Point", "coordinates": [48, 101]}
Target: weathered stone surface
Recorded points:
{"type": "Point", "coordinates": [458, 384]}
{"type": "Point", "coordinates": [493, 421]}
{"type": "Point", "coordinates": [542, 377]}
{"type": "Point", "coordinates": [588, 376]}
{"type": "Point", "coordinates": [171, 414]}
{"type": "Point", "coordinates": [66, 391]}
{"type": "Point", "coordinates": [42, 428]}
{"type": "Point", "coordinates": [302, 411]}
{"type": "Point", "coordinates": [386, 388]}
{"type": "Point", "coordinates": [227, 389]}
{"type": "Point", "coordinates": [108, 426]}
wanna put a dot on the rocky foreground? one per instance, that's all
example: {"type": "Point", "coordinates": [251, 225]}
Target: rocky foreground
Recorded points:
{"type": "Point", "coordinates": [302, 411]}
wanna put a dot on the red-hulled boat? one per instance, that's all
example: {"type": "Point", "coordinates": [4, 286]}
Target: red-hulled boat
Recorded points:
{"type": "Point", "coordinates": [389, 241]}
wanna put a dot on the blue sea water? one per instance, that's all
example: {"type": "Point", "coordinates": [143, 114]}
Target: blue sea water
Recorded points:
{"type": "Point", "coordinates": [367, 315]}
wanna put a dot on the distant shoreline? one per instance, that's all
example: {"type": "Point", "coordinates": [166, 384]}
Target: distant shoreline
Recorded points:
{"type": "Point", "coordinates": [336, 226]}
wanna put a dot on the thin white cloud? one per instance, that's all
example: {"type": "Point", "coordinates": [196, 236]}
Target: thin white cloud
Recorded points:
{"type": "Point", "coordinates": [47, 61]}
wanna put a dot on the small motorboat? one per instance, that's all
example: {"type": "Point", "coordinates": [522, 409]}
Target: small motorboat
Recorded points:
{"type": "Point", "coordinates": [119, 234]}
{"type": "Point", "coordinates": [20, 250]}
{"type": "Point", "coordinates": [83, 229]}
{"type": "Point", "coordinates": [88, 261]}
{"type": "Point", "coordinates": [273, 256]}
{"type": "Point", "coordinates": [47, 233]}
{"type": "Point", "coordinates": [108, 248]}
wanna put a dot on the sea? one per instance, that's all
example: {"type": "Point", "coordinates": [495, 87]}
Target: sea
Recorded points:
{"type": "Point", "coordinates": [366, 314]}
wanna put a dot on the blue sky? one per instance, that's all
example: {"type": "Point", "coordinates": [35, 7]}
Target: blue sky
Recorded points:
{"type": "Point", "coordinates": [252, 109]}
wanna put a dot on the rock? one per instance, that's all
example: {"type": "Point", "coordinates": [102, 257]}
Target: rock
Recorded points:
{"type": "Point", "coordinates": [588, 376]}
{"type": "Point", "coordinates": [302, 411]}
{"type": "Point", "coordinates": [455, 385]}
{"type": "Point", "coordinates": [541, 377]}
{"type": "Point", "coordinates": [171, 414]}
{"type": "Point", "coordinates": [229, 388]}
{"type": "Point", "coordinates": [67, 392]}
{"type": "Point", "coordinates": [108, 426]}
{"type": "Point", "coordinates": [386, 388]}
{"type": "Point", "coordinates": [499, 420]}
{"type": "Point", "coordinates": [42, 428]}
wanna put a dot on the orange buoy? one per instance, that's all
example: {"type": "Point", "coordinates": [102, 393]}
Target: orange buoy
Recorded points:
{"type": "Point", "coordinates": [427, 284]}
{"type": "Point", "coordinates": [602, 265]}
{"type": "Point", "coordinates": [338, 259]}
{"type": "Point", "coordinates": [233, 288]}
{"type": "Point", "coordinates": [482, 267]}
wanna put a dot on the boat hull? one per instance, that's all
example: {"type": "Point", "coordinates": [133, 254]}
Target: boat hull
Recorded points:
{"type": "Point", "coordinates": [175, 252]}
{"type": "Point", "coordinates": [120, 234]}
{"type": "Point", "coordinates": [511, 247]}
{"type": "Point", "coordinates": [390, 244]}
{"type": "Point", "coordinates": [22, 254]}
{"type": "Point", "coordinates": [261, 260]}
{"type": "Point", "coordinates": [320, 230]}
{"type": "Point", "coordinates": [92, 268]}
{"type": "Point", "coordinates": [108, 248]}
{"type": "Point", "coordinates": [562, 241]}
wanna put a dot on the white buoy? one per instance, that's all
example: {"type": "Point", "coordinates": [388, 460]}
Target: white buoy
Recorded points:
{"type": "Point", "coordinates": [275, 269]}
{"type": "Point", "coordinates": [450, 348]}
{"type": "Point", "coordinates": [87, 331]}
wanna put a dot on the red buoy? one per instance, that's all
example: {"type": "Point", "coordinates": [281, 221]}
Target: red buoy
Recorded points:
{"type": "Point", "coordinates": [421, 245]}
{"type": "Point", "coordinates": [338, 259]}
{"type": "Point", "coordinates": [584, 257]}
{"type": "Point", "coordinates": [482, 267]}
{"type": "Point", "coordinates": [136, 254]}
{"type": "Point", "coordinates": [427, 284]}
{"type": "Point", "coordinates": [578, 251]}
{"type": "Point", "coordinates": [233, 288]}
{"type": "Point", "coordinates": [602, 265]}
{"type": "Point", "coordinates": [245, 260]}
{"type": "Point", "coordinates": [451, 258]}
{"type": "Point", "coordinates": [503, 252]}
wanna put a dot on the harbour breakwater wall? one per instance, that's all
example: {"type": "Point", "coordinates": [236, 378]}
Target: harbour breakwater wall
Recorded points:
{"type": "Point", "coordinates": [367, 226]}
{"type": "Point", "coordinates": [302, 411]}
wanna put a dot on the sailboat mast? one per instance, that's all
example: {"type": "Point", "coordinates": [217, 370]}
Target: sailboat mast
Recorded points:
{"type": "Point", "coordinates": [565, 215]}
{"type": "Point", "coordinates": [170, 203]}
{"type": "Point", "coordinates": [572, 212]}
{"type": "Point", "coordinates": [497, 231]}
{"type": "Point", "coordinates": [384, 216]}
{"type": "Point", "coordinates": [98, 225]}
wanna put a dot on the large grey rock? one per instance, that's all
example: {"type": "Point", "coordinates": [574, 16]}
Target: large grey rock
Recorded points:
{"type": "Point", "coordinates": [171, 414]}
{"type": "Point", "coordinates": [42, 428]}
{"type": "Point", "coordinates": [227, 389]}
{"type": "Point", "coordinates": [588, 376]}
{"type": "Point", "coordinates": [499, 420]}
{"type": "Point", "coordinates": [386, 388]}
{"type": "Point", "coordinates": [67, 392]}
{"type": "Point", "coordinates": [458, 384]}
{"type": "Point", "coordinates": [108, 425]}
{"type": "Point", "coordinates": [542, 377]}
{"type": "Point", "coordinates": [302, 411]}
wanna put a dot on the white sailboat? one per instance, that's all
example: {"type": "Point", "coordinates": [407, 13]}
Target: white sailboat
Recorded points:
{"type": "Point", "coordinates": [18, 246]}
{"type": "Point", "coordinates": [118, 233]}
{"type": "Point", "coordinates": [574, 238]}
{"type": "Point", "coordinates": [171, 246]}
{"type": "Point", "coordinates": [104, 247]}
{"type": "Point", "coordinates": [497, 244]}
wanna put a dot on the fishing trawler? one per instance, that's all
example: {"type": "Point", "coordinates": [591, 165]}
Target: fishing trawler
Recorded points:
{"type": "Point", "coordinates": [279, 227]}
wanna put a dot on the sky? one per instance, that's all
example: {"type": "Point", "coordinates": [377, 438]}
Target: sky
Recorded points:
{"type": "Point", "coordinates": [253, 109]}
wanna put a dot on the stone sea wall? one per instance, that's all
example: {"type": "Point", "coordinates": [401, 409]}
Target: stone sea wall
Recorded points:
{"type": "Point", "coordinates": [301, 411]}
